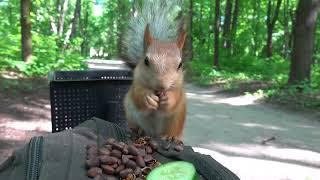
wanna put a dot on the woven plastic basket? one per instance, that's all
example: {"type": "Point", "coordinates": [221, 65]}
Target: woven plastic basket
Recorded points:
{"type": "Point", "coordinates": [76, 96]}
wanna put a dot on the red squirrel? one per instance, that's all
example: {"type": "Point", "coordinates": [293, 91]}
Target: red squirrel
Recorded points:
{"type": "Point", "coordinates": [156, 100]}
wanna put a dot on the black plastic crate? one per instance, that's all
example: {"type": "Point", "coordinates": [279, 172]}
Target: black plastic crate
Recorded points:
{"type": "Point", "coordinates": [76, 96]}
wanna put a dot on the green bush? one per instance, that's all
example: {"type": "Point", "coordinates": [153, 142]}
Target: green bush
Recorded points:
{"type": "Point", "coordinates": [239, 69]}
{"type": "Point", "coordinates": [272, 72]}
{"type": "Point", "coordinates": [47, 56]}
{"type": "Point", "coordinates": [10, 51]}
{"type": "Point", "coordinates": [315, 81]}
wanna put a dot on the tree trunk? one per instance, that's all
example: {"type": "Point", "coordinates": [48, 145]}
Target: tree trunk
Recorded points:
{"type": "Point", "coordinates": [210, 30]}
{"type": "Point", "coordinates": [120, 26]}
{"type": "Point", "coordinates": [62, 11]}
{"type": "Point", "coordinates": [53, 26]}
{"type": "Point", "coordinates": [26, 40]}
{"type": "Point", "coordinates": [85, 51]}
{"type": "Point", "coordinates": [271, 21]}
{"type": "Point", "coordinates": [216, 34]}
{"type": "Point", "coordinates": [227, 25]}
{"type": "Point", "coordinates": [188, 53]}
{"type": "Point", "coordinates": [52, 13]}
{"type": "Point", "coordinates": [293, 22]}
{"type": "Point", "coordinates": [122, 21]}
{"type": "Point", "coordinates": [286, 7]}
{"type": "Point", "coordinates": [256, 26]}
{"type": "Point", "coordinates": [234, 25]}
{"type": "Point", "coordinates": [76, 18]}
{"type": "Point", "coordinates": [317, 44]}
{"type": "Point", "coordinates": [269, 41]}
{"type": "Point", "coordinates": [303, 41]}
{"type": "Point", "coordinates": [201, 37]}
{"type": "Point", "coordinates": [73, 26]}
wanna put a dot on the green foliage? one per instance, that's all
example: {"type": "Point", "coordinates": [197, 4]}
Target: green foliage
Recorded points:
{"type": "Point", "coordinates": [246, 68]}
{"type": "Point", "coordinates": [297, 96]}
{"type": "Point", "coordinates": [48, 55]}
{"type": "Point", "coordinates": [9, 51]}
{"type": "Point", "coordinates": [315, 83]}
{"type": "Point", "coordinates": [55, 51]}
{"type": "Point", "coordinates": [246, 65]}
{"type": "Point", "coordinates": [237, 72]}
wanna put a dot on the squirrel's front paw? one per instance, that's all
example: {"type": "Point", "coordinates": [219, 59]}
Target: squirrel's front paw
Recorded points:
{"type": "Point", "coordinates": [163, 100]}
{"type": "Point", "coordinates": [152, 101]}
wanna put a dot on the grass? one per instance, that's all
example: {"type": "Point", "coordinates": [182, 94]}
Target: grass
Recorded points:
{"type": "Point", "coordinates": [262, 77]}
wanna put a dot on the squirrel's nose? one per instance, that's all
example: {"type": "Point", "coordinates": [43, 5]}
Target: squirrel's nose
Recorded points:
{"type": "Point", "coordinates": [162, 84]}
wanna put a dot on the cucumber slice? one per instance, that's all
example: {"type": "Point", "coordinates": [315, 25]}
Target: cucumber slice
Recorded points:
{"type": "Point", "coordinates": [178, 170]}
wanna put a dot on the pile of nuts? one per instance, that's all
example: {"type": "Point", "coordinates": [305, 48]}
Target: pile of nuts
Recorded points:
{"type": "Point", "coordinates": [118, 159]}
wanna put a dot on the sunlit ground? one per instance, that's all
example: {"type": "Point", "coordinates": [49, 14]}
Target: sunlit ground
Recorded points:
{"type": "Point", "coordinates": [234, 101]}
{"type": "Point", "coordinates": [24, 111]}
{"type": "Point", "coordinates": [231, 128]}
{"type": "Point", "coordinates": [257, 169]}
{"type": "Point", "coordinates": [28, 126]}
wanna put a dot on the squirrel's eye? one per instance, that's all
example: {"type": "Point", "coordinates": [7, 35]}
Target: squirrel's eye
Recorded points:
{"type": "Point", "coordinates": [146, 61]}
{"type": "Point", "coordinates": [180, 65]}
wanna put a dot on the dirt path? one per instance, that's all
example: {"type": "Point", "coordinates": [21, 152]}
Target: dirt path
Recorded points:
{"type": "Point", "coordinates": [23, 114]}
{"type": "Point", "coordinates": [234, 127]}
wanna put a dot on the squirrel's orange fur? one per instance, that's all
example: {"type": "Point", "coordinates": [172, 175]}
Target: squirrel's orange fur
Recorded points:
{"type": "Point", "coordinates": [156, 101]}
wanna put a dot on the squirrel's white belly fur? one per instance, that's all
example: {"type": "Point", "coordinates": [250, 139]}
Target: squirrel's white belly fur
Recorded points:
{"type": "Point", "coordinates": [151, 122]}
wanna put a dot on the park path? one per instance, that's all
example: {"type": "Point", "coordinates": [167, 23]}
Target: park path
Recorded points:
{"type": "Point", "coordinates": [233, 127]}
{"type": "Point", "coordinates": [228, 127]}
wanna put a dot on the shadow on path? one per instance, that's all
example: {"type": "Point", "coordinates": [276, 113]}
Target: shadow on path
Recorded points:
{"type": "Point", "coordinates": [24, 113]}
{"type": "Point", "coordinates": [236, 126]}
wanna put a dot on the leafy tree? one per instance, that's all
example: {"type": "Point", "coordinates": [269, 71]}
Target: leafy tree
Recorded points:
{"type": "Point", "coordinates": [303, 41]}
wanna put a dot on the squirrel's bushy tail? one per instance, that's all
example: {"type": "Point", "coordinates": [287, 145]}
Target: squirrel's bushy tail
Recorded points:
{"type": "Point", "coordinates": [162, 17]}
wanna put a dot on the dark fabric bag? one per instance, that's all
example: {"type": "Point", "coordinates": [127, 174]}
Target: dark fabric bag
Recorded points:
{"type": "Point", "coordinates": [61, 156]}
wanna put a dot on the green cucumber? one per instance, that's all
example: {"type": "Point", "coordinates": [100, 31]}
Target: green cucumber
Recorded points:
{"type": "Point", "coordinates": [178, 170]}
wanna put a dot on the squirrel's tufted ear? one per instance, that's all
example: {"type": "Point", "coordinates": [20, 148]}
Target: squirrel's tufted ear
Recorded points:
{"type": "Point", "coordinates": [147, 37]}
{"type": "Point", "coordinates": [181, 39]}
